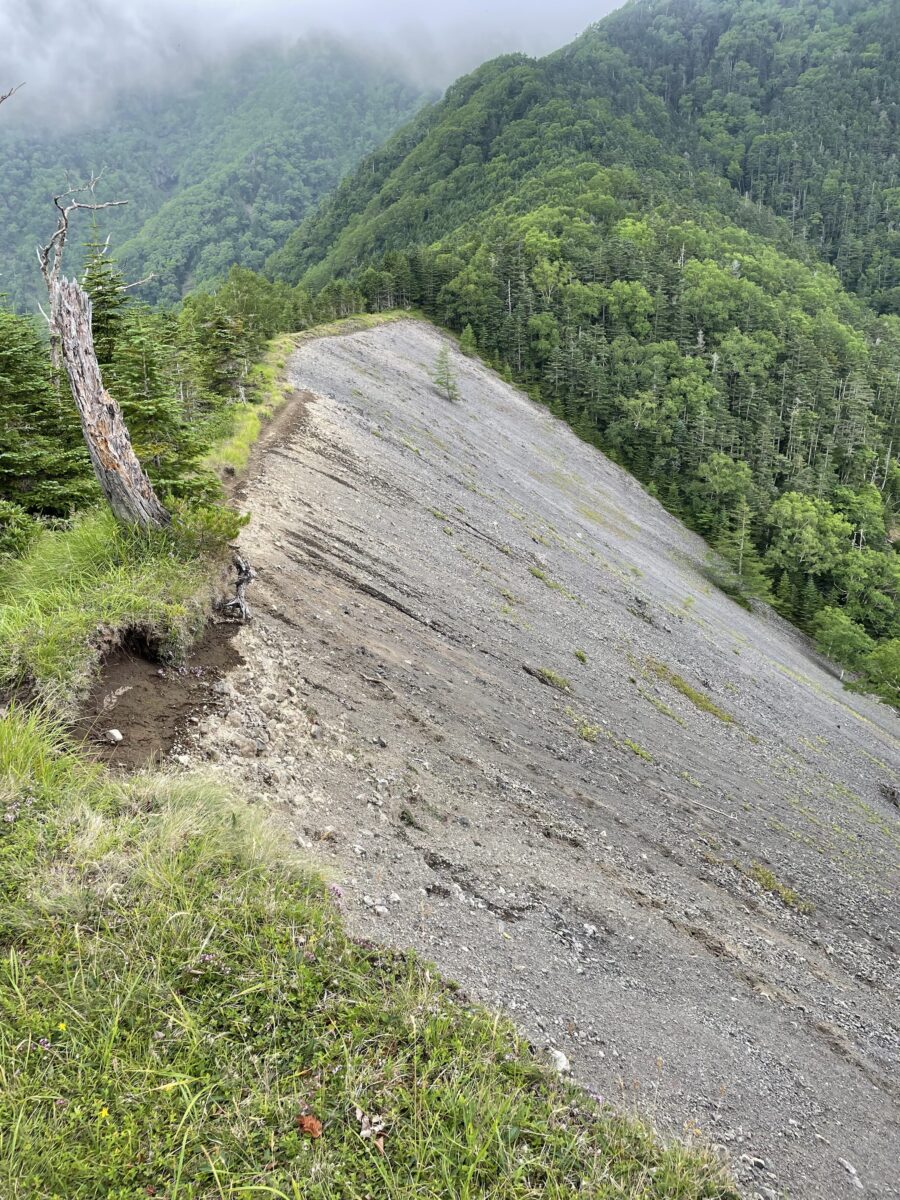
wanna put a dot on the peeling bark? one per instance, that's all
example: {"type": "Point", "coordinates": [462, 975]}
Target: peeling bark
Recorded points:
{"type": "Point", "coordinates": [119, 473]}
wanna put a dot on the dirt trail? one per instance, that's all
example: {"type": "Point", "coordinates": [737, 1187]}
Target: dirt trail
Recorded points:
{"type": "Point", "coordinates": [583, 858]}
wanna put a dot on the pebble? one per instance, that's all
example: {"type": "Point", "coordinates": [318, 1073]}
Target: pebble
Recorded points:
{"type": "Point", "coordinates": [381, 910]}
{"type": "Point", "coordinates": [114, 736]}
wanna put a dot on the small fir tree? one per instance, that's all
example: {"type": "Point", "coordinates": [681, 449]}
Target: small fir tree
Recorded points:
{"type": "Point", "coordinates": [165, 442]}
{"type": "Point", "coordinates": [104, 283]}
{"type": "Point", "coordinates": [43, 464]}
{"type": "Point", "coordinates": [445, 376]}
{"type": "Point", "coordinates": [467, 342]}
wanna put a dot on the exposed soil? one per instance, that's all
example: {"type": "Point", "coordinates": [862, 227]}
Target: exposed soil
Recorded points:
{"type": "Point", "coordinates": [154, 702]}
{"type": "Point", "coordinates": [700, 912]}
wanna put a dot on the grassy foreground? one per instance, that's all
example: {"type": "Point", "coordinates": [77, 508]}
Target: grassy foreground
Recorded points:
{"type": "Point", "coordinates": [183, 1015]}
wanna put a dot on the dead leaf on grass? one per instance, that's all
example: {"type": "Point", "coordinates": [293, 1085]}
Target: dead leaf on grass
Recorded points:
{"type": "Point", "coordinates": [309, 1125]}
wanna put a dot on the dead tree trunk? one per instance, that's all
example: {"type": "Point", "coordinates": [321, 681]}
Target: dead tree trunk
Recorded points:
{"type": "Point", "coordinates": [124, 482]}
{"type": "Point", "coordinates": [119, 473]}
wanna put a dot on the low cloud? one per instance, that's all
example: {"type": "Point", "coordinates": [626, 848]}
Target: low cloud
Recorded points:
{"type": "Point", "coordinates": [75, 55]}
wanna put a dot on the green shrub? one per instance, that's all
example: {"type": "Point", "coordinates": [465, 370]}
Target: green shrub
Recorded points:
{"type": "Point", "coordinates": [18, 529]}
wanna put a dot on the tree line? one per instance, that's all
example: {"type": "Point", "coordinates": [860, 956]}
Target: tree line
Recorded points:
{"type": "Point", "coordinates": [747, 390]}
{"type": "Point", "coordinates": [681, 233]}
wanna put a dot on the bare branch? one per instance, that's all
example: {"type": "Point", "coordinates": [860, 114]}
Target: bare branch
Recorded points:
{"type": "Point", "coordinates": [245, 576]}
{"type": "Point", "coordinates": [50, 256]}
{"type": "Point", "coordinates": [11, 92]}
{"type": "Point", "coordinates": [126, 287]}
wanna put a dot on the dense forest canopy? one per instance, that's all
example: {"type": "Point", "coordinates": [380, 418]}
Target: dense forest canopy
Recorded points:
{"type": "Point", "coordinates": [680, 232]}
{"type": "Point", "coordinates": [215, 173]}
{"type": "Point", "coordinates": [794, 103]}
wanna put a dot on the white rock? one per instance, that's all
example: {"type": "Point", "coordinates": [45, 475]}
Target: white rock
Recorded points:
{"type": "Point", "coordinates": [559, 1060]}
{"type": "Point", "coordinates": [114, 736]}
{"type": "Point", "coordinates": [853, 1173]}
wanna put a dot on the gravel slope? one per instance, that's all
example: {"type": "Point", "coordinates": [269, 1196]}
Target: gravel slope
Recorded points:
{"type": "Point", "coordinates": [420, 563]}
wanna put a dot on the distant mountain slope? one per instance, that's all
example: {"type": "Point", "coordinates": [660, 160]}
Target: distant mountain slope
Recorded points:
{"type": "Point", "coordinates": [216, 173]}
{"type": "Point", "coordinates": [639, 229]}
{"type": "Point", "coordinates": [796, 104]}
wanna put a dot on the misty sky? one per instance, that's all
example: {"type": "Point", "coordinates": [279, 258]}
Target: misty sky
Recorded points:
{"type": "Point", "coordinates": [73, 54]}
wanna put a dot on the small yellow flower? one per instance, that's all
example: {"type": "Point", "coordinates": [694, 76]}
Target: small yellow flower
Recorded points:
{"type": "Point", "coordinates": [103, 1113]}
{"type": "Point", "coordinates": [61, 1027]}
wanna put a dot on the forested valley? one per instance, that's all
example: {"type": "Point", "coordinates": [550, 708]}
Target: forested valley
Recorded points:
{"type": "Point", "coordinates": [216, 169]}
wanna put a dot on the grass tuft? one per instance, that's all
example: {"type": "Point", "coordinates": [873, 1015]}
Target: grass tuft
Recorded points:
{"type": "Point", "coordinates": [583, 727]}
{"type": "Point", "coordinates": [550, 583]}
{"type": "Point", "coordinates": [698, 699]}
{"type": "Point", "coordinates": [553, 679]}
{"type": "Point", "coordinates": [638, 750]}
{"type": "Point", "coordinates": [769, 882]}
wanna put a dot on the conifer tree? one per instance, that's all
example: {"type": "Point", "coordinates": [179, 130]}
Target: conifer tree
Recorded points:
{"type": "Point", "coordinates": [104, 283]}
{"type": "Point", "coordinates": [467, 343]}
{"type": "Point", "coordinates": [164, 441]}
{"type": "Point", "coordinates": [445, 376]}
{"type": "Point", "coordinates": [43, 464]}
{"type": "Point", "coordinates": [736, 546]}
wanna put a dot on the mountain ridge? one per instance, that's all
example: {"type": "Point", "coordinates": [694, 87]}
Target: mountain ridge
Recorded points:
{"type": "Point", "coordinates": [591, 226]}
{"type": "Point", "coordinates": [490, 685]}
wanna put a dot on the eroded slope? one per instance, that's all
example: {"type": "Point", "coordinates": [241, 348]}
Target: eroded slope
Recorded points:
{"type": "Point", "coordinates": [493, 692]}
